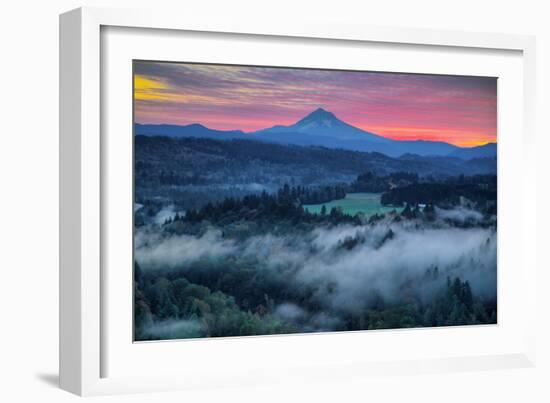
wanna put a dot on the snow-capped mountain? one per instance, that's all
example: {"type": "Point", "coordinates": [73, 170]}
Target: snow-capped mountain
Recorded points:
{"type": "Point", "coordinates": [324, 123]}
{"type": "Point", "coordinates": [323, 129]}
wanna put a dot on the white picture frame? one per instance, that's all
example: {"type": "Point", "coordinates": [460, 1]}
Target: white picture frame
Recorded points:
{"type": "Point", "coordinates": [85, 345]}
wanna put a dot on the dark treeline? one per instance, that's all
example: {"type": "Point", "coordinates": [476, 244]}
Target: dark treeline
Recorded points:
{"type": "Point", "coordinates": [475, 191]}
{"type": "Point", "coordinates": [372, 183]}
{"type": "Point", "coordinates": [163, 161]}
{"type": "Point", "coordinates": [286, 204]}
{"type": "Point", "coordinates": [315, 195]}
{"type": "Point", "coordinates": [399, 189]}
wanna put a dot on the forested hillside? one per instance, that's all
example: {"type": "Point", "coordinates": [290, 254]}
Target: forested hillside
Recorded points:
{"type": "Point", "coordinates": [188, 169]}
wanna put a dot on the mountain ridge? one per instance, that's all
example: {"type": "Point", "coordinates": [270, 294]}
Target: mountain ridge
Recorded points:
{"type": "Point", "coordinates": [322, 128]}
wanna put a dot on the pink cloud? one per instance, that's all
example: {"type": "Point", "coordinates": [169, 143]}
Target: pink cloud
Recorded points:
{"type": "Point", "coordinates": [459, 110]}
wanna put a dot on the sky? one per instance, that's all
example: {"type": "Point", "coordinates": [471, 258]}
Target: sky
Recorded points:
{"type": "Point", "coordinates": [455, 109]}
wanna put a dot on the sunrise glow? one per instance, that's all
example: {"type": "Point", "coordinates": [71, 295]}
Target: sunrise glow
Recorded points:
{"type": "Point", "coordinates": [455, 109]}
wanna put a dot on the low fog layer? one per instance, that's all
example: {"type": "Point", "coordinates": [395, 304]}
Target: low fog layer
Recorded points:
{"type": "Point", "coordinates": [349, 268]}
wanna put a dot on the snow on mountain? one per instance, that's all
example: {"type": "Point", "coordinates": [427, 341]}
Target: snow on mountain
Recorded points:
{"type": "Point", "coordinates": [324, 123]}
{"type": "Point", "coordinates": [322, 128]}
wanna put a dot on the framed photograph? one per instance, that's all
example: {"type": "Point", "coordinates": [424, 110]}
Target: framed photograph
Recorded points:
{"type": "Point", "coordinates": [243, 203]}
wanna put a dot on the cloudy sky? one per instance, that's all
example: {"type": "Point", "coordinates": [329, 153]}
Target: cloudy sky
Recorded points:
{"type": "Point", "coordinates": [458, 110]}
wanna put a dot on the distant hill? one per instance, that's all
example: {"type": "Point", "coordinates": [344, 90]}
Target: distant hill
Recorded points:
{"type": "Point", "coordinates": [193, 130]}
{"type": "Point", "coordinates": [323, 128]}
{"type": "Point", "coordinates": [216, 160]}
{"type": "Point", "coordinates": [488, 150]}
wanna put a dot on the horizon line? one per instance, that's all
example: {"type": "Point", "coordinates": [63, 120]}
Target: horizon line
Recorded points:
{"type": "Point", "coordinates": [321, 109]}
{"type": "Point", "coordinates": [251, 132]}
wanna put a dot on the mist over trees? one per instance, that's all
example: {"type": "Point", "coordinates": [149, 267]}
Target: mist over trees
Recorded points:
{"type": "Point", "coordinates": [335, 277]}
{"type": "Point", "coordinates": [225, 247]}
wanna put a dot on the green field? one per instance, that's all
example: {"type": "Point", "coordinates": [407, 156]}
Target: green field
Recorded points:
{"type": "Point", "coordinates": [354, 203]}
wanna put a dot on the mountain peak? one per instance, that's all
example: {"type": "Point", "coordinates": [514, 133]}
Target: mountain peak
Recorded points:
{"type": "Point", "coordinates": [320, 114]}
{"type": "Point", "coordinates": [321, 123]}
{"type": "Point", "coordinates": [319, 118]}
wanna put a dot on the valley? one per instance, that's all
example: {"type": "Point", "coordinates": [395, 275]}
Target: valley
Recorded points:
{"type": "Point", "coordinates": [366, 204]}
{"type": "Point", "coordinates": [240, 237]}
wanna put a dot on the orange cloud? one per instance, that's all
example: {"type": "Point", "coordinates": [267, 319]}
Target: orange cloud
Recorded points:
{"type": "Point", "coordinates": [147, 88]}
